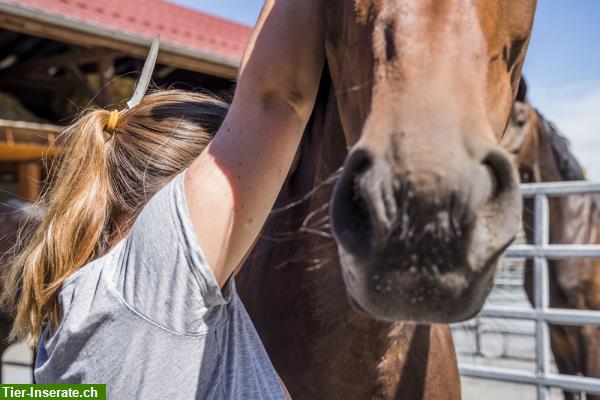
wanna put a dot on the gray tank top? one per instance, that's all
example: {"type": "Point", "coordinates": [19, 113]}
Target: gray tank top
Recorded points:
{"type": "Point", "coordinates": [150, 321]}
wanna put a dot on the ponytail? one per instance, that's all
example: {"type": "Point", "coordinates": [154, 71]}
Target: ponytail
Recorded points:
{"type": "Point", "coordinates": [70, 234]}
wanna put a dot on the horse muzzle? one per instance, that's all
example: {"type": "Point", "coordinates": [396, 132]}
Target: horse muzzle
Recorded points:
{"type": "Point", "coordinates": [420, 238]}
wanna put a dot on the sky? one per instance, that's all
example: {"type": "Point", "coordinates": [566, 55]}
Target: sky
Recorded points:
{"type": "Point", "coordinates": [562, 66]}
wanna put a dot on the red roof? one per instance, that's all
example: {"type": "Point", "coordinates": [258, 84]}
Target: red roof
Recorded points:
{"type": "Point", "coordinates": [177, 25]}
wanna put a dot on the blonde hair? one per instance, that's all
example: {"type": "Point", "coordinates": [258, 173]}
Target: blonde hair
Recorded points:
{"type": "Point", "coordinates": [100, 183]}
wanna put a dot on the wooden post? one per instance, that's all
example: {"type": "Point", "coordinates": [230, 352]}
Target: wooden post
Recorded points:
{"type": "Point", "coordinates": [106, 71]}
{"type": "Point", "coordinates": [29, 175]}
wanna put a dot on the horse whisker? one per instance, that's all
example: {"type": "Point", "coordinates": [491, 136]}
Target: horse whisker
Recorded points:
{"type": "Point", "coordinates": [316, 232]}
{"type": "Point", "coordinates": [353, 88]}
{"type": "Point", "coordinates": [320, 264]}
{"type": "Point", "coordinates": [330, 180]}
{"type": "Point", "coordinates": [324, 207]}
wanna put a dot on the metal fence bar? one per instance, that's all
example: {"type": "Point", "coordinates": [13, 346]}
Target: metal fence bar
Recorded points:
{"type": "Point", "coordinates": [559, 188]}
{"type": "Point", "coordinates": [554, 251]}
{"type": "Point", "coordinates": [17, 364]}
{"type": "Point", "coordinates": [566, 382]}
{"type": "Point", "coordinates": [558, 316]}
{"type": "Point", "coordinates": [541, 294]}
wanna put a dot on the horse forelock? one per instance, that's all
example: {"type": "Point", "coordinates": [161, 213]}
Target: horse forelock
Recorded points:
{"type": "Point", "coordinates": [566, 162]}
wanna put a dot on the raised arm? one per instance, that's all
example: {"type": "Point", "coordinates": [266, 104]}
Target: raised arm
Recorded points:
{"type": "Point", "coordinates": [232, 186]}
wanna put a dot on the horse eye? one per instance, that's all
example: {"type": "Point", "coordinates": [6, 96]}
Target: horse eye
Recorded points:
{"type": "Point", "coordinates": [525, 173]}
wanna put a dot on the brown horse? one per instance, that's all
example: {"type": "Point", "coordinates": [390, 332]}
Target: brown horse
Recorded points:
{"type": "Point", "coordinates": [543, 155]}
{"type": "Point", "coordinates": [13, 214]}
{"type": "Point", "coordinates": [422, 210]}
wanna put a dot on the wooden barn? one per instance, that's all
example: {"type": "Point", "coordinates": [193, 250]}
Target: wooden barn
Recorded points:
{"type": "Point", "coordinates": [58, 57]}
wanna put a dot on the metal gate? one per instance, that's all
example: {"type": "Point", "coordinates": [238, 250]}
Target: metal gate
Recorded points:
{"type": "Point", "coordinates": [540, 251]}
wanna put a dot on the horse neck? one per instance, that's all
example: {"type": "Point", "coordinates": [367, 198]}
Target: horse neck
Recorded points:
{"type": "Point", "coordinates": [570, 216]}
{"type": "Point", "coordinates": [359, 346]}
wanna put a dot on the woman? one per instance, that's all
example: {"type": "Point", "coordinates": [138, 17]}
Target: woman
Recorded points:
{"type": "Point", "coordinates": [128, 280]}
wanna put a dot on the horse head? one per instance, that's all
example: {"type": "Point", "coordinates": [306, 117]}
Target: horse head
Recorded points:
{"type": "Point", "coordinates": [427, 200]}
{"type": "Point", "coordinates": [539, 151]}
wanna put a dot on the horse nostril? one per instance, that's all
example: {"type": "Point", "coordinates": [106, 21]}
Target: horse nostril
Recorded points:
{"type": "Point", "coordinates": [500, 170]}
{"type": "Point", "coordinates": [359, 162]}
{"type": "Point", "coordinates": [350, 211]}
{"type": "Point", "coordinates": [493, 179]}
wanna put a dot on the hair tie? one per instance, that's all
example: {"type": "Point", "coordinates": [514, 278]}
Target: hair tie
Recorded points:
{"type": "Point", "coordinates": [112, 120]}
